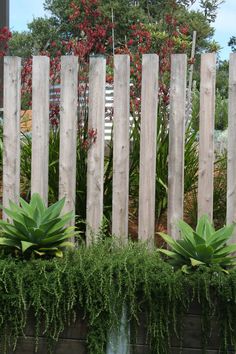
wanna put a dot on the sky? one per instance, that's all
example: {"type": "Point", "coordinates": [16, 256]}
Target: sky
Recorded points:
{"type": "Point", "coordinates": [225, 26]}
{"type": "Point", "coordinates": [23, 11]}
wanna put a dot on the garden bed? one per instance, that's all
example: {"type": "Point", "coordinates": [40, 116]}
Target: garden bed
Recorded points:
{"type": "Point", "coordinates": [92, 284]}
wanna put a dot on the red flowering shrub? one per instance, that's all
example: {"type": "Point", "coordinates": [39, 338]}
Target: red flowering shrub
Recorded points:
{"type": "Point", "coordinates": [91, 34]}
{"type": "Point", "coordinates": [5, 35]}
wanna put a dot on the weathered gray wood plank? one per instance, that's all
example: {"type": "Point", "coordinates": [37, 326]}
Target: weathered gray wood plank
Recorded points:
{"type": "Point", "coordinates": [147, 172]}
{"type": "Point", "coordinates": [176, 142]}
{"type": "Point", "coordinates": [11, 130]}
{"type": "Point", "coordinates": [231, 166]}
{"type": "Point", "coordinates": [40, 126]}
{"type": "Point", "coordinates": [68, 131]}
{"type": "Point", "coordinates": [76, 330]}
{"type": "Point", "coordinates": [206, 135]}
{"type": "Point", "coordinates": [64, 346]}
{"type": "Point", "coordinates": [95, 166]}
{"type": "Point", "coordinates": [120, 187]}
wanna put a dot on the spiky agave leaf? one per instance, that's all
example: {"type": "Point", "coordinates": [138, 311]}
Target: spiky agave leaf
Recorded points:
{"type": "Point", "coordinates": [35, 228]}
{"type": "Point", "coordinates": [205, 246]}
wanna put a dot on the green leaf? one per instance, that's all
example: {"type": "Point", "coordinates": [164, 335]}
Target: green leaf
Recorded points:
{"type": "Point", "coordinates": [221, 236]}
{"type": "Point", "coordinates": [185, 269]}
{"type": "Point", "coordinates": [186, 230]}
{"type": "Point", "coordinates": [29, 222]}
{"type": "Point", "coordinates": [196, 262]}
{"type": "Point", "coordinates": [15, 207]}
{"type": "Point", "coordinates": [59, 253]}
{"type": "Point", "coordinates": [26, 207]}
{"type": "Point", "coordinates": [54, 210]}
{"type": "Point", "coordinates": [204, 227]}
{"type": "Point", "coordinates": [64, 220]}
{"type": "Point", "coordinates": [180, 248]}
{"type": "Point", "coordinates": [21, 228]}
{"type": "Point", "coordinates": [226, 250]}
{"type": "Point", "coordinates": [167, 252]}
{"type": "Point", "coordinates": [47, 225]}
{"type": "Point", "coordinates": [66, 245]}
{"type": "Point", "coordinates": [39, 253]}
{"type": "Point", "coordinates": [56, 238]}
{"type": "Point", "coordinates": [26, 245]}
{"type": "Point", "coordinates": [168, 239]}
{"type": "Point", "coordinates": [37, 216]}
{"type": "Point", "coordinates": [187, 234]}
{"type": "Point", "coordinates": [198, 239]}
{"type": "Point", "coordinates": [7, 242]}
{"type": "Point", "coordinates": [11, 230]}
{"type": "Point", "coordinates": [175, 245]}
{"type": "Point", "coordinates": [37, 201]}
{"type": "Point", "coordinates": [187, 245]}
{"type": "Point", "coordinates": [204, 252]}
{"type": "Point", "coordinates": [36, 235]}
{"type": "Point", "coordinates": [14, 215]}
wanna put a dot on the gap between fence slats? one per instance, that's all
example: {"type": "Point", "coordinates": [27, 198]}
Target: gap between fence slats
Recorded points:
{"type": "Point", "coordinates": [147, 173]}
{"type": "Point", "coordinates": [95, 165]}
{"type": "Point", "coordinates": [40, 126]}
{"type": "Point", "coordinates": [206, 135]}
{"type": "Point", "coordinates": [68, 131]}
{"type": "Point", "coordinates": [176, 142]}
{"type": "Point", "coordinates": [231, 166]}
{"type": "Point", "coordinates": [120, 187]}
{"type": "Point", "coordinates": [11, 130]}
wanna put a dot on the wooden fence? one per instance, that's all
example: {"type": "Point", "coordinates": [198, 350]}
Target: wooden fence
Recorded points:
{"type": "Point", "coordinates": [121, 138]}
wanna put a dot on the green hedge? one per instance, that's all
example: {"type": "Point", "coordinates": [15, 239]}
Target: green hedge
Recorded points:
{"type": "Point", "coordinates": [97, 281]}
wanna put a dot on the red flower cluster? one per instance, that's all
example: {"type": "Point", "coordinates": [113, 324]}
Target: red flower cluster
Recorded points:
{"type": "Point", "coordinates": [92, 29]}
{"type": "Point", "coordinates": [91, 138]}
{"type": "Point", "coordinates": [5, 35]}
{"type": "Point", "coordinates": [92, 35]}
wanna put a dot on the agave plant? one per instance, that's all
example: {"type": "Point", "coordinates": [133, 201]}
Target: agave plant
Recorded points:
{"type": "Point", "coordinates": [205, 246]}
{"type": "Point", "coordinates": [35, 228]}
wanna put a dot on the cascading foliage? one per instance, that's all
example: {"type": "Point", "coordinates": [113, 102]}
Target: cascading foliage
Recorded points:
{"type": "Point", "coordinates": [97, 281]}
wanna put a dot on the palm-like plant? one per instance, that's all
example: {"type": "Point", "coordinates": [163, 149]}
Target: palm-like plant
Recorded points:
{"type": "Point", "coordinates": [36, 228]}
{"type": "Point", "coordinates": [205, 246]}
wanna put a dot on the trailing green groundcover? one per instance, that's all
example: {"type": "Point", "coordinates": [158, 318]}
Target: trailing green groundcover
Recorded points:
{"type": "Point", "coordinates": [98, 280]}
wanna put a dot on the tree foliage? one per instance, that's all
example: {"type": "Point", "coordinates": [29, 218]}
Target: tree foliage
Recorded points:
{"type": "Point", "coordinates": [80, 19]}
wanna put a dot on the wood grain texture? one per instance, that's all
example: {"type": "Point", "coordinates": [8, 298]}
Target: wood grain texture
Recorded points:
{"type": "Point", "coordinates": [73, 339]}
{"type": "Point", "coordinates": [147, 172]}
{"type": "Point", "coordinates": [68, 132]}
{"type": "Point", "coordinates": [77, 330]}
{"type": "Point", "coordinates": [63, 346]}
{"type": "Point", "coordinates": [120, 187]}
{"type": "Point", "coordinates": [95, 166]}
{"type": "Point", "coordinates": [11, 130]}
{"type": "Point", "coordinates": [176, 142]}
{"type": "Point", "coordinates": [206, 135]}
{"type": "Point", "coordinates": [231, 165]}
{"type": "Point", "coordinates": [40, 126]}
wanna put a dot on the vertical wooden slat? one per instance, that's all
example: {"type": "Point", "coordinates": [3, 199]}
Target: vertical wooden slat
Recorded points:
{"type": "Point", "coordinates": [206, 135]}
{"type": "Point", "coordinates": [147, 180]}
{"type": "Point", "coordinates": [176, 142]}
{"type": "Point", "coordinates": [68, 131]}
{"type": "Point", "coordinates": [11, 130]}
{"type": "Point", "coordinates": [231, 166]}
{"type": "Point", "coordinates": [95, 166]}
{"type": "Point", "coordinates": [40, 126]}
{"type": "Point", "coordinates": [120, 188]}
{"type": "Point", "coordinates": [118, 340]}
